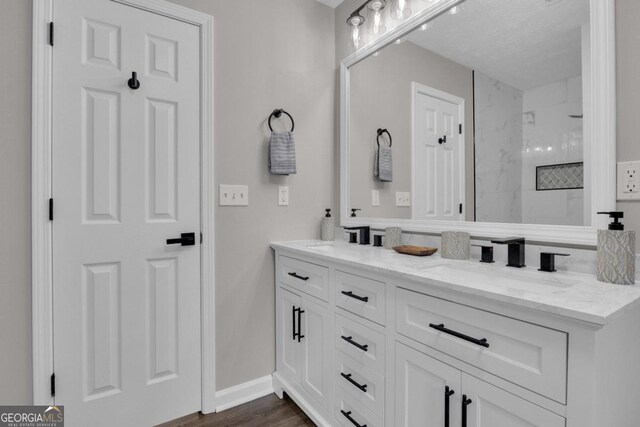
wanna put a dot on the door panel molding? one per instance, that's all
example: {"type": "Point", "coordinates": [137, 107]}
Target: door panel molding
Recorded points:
{"type": "Point", "coordinates": [41, 192]}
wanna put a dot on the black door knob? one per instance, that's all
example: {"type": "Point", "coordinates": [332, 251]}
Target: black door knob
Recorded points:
{"type": "Point", "coordinates": [185, 239]}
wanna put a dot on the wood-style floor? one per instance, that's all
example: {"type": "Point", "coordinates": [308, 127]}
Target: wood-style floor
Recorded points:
{"type": "Point", "coordinates": [266, 411]}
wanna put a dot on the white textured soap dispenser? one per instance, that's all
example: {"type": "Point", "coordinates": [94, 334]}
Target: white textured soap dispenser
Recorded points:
{"type": "Point", "coordinates": [327, 228]}
{"type": "Point", "coordinates": [616, 253]}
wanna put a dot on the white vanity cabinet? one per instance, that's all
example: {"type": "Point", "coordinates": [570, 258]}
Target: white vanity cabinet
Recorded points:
{"type": "Point", "coordinates": [369, 337]}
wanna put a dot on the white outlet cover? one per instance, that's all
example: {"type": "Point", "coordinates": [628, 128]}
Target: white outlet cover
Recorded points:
{"type": "Point", "coordinates": [375, 198]}
{"type": "Point", "coordinates": [628, 182]}
{"type": "Point", "coordinates": [403, 198]}
{"type": "Point", "coordinates": [283, 195]}
{"type": "Point", "coordinates": [234, 195]}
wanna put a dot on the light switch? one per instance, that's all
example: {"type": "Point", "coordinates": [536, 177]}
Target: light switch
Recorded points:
{"type": "Point", "coordinates": [234, 195]}
{"type": "Point", "coordinates": [375, 197]}
{"type": "Point", "coordinates": [403, 198]}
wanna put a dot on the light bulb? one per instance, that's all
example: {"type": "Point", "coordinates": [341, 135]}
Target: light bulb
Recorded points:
{"type": "Point", "coordinates": [400, 10]}
{"type": "Point", "coordinates": [355, 36]}
{"type": "Point", "coordinates": [376, 26]}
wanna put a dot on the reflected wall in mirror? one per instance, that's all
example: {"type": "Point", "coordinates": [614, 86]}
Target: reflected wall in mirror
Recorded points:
{"type": "Point", "coordinates": [487, 110]}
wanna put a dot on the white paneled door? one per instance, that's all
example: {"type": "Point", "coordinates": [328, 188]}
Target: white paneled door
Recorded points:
{"type": "Point", "coordinates": [438, 157]}
{"type": "Point", "coordinates": [125, 180]}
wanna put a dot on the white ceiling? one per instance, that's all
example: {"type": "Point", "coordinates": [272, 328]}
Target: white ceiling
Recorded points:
{"type": "Point", "coordinates": [523, 43]}
{"type": "Point", "coordinates": [332, 3]}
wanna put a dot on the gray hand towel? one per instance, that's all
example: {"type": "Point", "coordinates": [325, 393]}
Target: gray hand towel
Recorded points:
{"type": "Point", "coordinates": [282, 153]}
{"type": "Point", "coordinates": [385, 164]}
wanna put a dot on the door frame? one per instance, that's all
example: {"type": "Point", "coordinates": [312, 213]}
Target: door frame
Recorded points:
{"type": "Point", "coordinates": [41, 192]}
{"type": "Point", "coordinates": [416, 89]}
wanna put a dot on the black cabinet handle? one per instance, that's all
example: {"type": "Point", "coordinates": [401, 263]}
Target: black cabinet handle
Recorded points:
{"type": "Point", "coordinates": [352, 295]}
{"type": "Point", "coordinates": [293, 321]}
{"type": "Point", "coordinates": [361, 387]}
{"type": "Point", "coordinates": [300, 336]}
{"type": "Point", "coordinates": [298, 277]}
{"type": "Point", "coordinates": [363, 347]}
{"type": "Point", "coordinates": [465, 402]}
{"type": "Point", "coordinates": [447, 393]}
{"type": "Point", "coordinates": [185, 239]}
{"type": "Point", "coordinates": [482, 342]}
{"type": "Point", "coordinates": [348, 416]}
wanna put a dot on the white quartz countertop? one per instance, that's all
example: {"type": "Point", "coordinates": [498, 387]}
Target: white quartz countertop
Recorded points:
{"type": "Point", "coordinates": [574, 295]}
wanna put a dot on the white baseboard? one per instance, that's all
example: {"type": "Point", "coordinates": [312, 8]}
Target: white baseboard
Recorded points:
{"type": "Point", "coordinates": [243, 393]}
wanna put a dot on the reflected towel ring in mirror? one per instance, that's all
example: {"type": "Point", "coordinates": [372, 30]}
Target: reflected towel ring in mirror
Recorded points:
{"type": "Point", "coordinates": [277, 113]}
{"type": "Point", "coordinates": [380, 132]}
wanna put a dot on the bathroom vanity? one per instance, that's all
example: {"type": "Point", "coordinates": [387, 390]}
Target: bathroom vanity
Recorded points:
{"type": "Point", "coordinates": [366, 336]}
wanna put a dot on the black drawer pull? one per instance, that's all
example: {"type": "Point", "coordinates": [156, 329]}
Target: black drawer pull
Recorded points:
{"type": "Point", "coordinates": [352, 381]}
{"type": "Point", "coordinates": [358, 297]}
{"type": "Point", "coordinates": [299, 277]}
{"type": "Point", "coordinates": [465, 402]}
{"type": "Point", "coordinates": [348, 416]}
{"type": "Point", "coordinates": [363, 347]}
{"type": "Point", "coordinates": [482, 342]}
{"type": "Point", "coordinates": [447, 394]}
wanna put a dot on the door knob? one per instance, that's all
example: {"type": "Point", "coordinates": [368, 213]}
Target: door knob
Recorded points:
{"type": "Point", "coordinates": [185, 239]}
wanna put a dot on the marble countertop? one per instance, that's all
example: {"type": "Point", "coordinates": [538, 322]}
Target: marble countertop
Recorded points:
{"type": "Point", "coordinates": [573, 295]}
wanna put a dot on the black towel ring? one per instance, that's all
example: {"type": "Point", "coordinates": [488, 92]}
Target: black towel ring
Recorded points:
{"type": "Point", "coordinates": [380, 132]}
{"type": "Point", "coordinates": [277, 113]}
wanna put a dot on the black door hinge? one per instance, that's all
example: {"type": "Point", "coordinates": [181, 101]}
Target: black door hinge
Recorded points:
{"type": "Point", "coordinates": [460, 208]}
{"type": "Point", "coordinates": [51, 33]}
{"type": "Point", "coordinates": [200, 238]}
{"type": "Point", "coordinates": [53, 385]}
{"type": "Point", "coordinates": [50, 209]}
{"type": "Point", "coordinates": [460, 128]}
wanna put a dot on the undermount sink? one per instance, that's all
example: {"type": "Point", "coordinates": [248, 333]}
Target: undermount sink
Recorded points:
{"type": "Point", "coordinates": [470, 273]}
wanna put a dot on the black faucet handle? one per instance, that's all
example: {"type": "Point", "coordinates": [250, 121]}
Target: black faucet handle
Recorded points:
{"type": "Point", "coordinates": [548, 261]}
{"type": "Point", "coordinates": [353, 212]}
{"type": "Point", "coordinates": [486, 254]}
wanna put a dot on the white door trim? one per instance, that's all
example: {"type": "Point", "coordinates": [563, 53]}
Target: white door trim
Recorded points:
{"type": "Point", "coordinates": [418, 88]}
{"type": "Point", "coordinates": [41, 178]}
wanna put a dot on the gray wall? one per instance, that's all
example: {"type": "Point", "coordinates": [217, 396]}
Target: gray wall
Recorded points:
{"type": "Point", "coordinates": [381, 98]}
{"type": "Point", "coordinates": [15, 207]}
{"type": "Point", "coordinates": [267, 55]}
{"type": "Point", "coordinates": [628, 97]}
{"type": "Point", "coordinates": [253, 75]}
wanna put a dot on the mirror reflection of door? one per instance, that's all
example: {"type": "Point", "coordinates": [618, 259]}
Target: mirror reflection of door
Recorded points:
{"type": "Point", "coordinates": [438, 153]}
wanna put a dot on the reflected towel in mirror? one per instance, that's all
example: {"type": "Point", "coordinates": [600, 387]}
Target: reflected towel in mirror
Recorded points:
{"type": "Point", "coordinates": [383, 164]}
{"type": "Point", "coordinates": [282, 153]}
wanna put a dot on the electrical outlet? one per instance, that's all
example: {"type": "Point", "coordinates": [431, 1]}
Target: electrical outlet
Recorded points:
{"type": "Point", "coordinates": [375, 198]}
{"type": "Point", "coordinates": [283, 195]}
{"type": "Point", "coordinates": [628, 181]}
{"type": "Point", "coordinates": [234, 195]}
{"type": "Point", "coordinates": [403, 198]}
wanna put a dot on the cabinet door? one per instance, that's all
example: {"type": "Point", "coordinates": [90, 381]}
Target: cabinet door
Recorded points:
{"type": "Point", "coordinates": [316, 351]}
{"type": "Point", "coordinates": [491, 406]}
{"type": "Point", "coordinates": [421, 386]}
{"type": "Point", "coordinates": [289, 349]}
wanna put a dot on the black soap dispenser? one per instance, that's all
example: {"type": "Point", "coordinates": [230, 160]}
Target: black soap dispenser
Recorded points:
{"type": "Point", "coordinates": [327, 231]}
{"type": "Point", "coordinates": [616, 252]}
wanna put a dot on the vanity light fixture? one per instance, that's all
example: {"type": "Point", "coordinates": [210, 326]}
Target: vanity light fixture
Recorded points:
{"type": "Point", "coordinates": [356, 20]}
{"type": "Point", "coordinates": [400, 9]}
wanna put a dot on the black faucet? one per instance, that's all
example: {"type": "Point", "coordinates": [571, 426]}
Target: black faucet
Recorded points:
{"type": "Point", "coordinates": [516, 250]}
{"type": "Point", "coordinates": [365, 234]}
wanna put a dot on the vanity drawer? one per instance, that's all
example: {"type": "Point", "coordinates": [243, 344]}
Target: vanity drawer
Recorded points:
{"type": "Point", "coordinates": [349, 412]}
{"type": "Point", "coordinates": [361, 343]}
{"type": "Point", "coordinates": [307, 277]}
{"type": "Point", "coordinates": [364, 385]}
{"type": "Point", "coordinates": [361, 296]}
{"type": "Point", "coordinates": [528, 355]}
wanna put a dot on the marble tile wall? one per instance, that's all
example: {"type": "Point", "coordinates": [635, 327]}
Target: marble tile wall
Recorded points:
{"type": "Point", "coordinates": [498, 146]}
{"type": "Point", "coordinates": [550, 136]}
